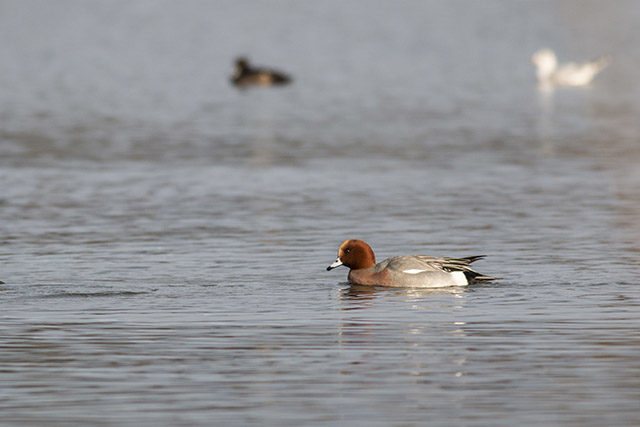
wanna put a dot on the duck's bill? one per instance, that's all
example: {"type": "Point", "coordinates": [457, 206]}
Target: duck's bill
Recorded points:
{"type": "Point", "coordinates": [336, 263]}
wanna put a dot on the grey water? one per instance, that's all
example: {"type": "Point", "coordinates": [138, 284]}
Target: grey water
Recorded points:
{"type": "Point", "coordinates": [164, 236]}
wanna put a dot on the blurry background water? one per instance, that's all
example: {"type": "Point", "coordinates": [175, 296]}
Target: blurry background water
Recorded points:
{"type": "Point", "coordinates": [164, 235]}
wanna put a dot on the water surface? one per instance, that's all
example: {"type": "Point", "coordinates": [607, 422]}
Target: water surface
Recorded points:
{"type": "Point", "coordinates": [165, 236]}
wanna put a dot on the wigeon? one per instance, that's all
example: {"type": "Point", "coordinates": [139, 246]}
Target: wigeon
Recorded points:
{"type": "Point", "coordinates": [246, 75]}
{"type": "Point", "coordinates": [549, 73]}
{"type": "Point", "coordinates": [405, 271]}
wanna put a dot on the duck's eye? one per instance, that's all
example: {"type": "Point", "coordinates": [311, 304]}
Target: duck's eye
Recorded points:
{"type": "Point", "coordinates": [346, 251]}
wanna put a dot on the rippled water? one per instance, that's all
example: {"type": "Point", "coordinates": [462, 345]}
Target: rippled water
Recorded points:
{"type": "Point", "coordinates": [165, 236]}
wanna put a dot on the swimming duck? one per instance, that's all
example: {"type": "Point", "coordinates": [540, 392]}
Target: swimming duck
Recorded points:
{"type": "Point", "coordinates": [246, 75]}
{"type": "Point", "coordinates": [405, 271]}
{"type": "Point", "coordinates": [549, 73]}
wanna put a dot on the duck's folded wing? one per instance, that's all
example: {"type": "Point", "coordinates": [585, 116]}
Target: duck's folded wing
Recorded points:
{"type": "Point", "coordinates": [415, 264]}
{"type": "Point", "coordinates": [428, 263]}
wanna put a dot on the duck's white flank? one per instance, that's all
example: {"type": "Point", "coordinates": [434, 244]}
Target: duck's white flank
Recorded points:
{"type": "Point", "coordinates": [460, 278]}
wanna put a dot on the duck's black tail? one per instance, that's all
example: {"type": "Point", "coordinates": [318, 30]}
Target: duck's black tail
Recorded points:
{"type": "Point", "coordinates": [462, 264]}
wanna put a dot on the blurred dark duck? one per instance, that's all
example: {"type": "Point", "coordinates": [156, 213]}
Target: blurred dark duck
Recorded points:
{"type": "Point", "coordinates": [245, 75]}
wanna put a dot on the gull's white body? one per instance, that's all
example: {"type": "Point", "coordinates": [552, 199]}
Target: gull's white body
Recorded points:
{"type": "Point", "coordinates": [550, 73]}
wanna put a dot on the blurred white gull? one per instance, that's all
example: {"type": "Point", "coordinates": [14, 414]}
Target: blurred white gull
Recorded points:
{"type": "Point", "coordinates": [570, 74]}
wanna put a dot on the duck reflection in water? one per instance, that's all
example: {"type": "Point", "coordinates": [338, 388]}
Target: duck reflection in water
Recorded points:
{"type": "Point", "coordinates": [359, 296]}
